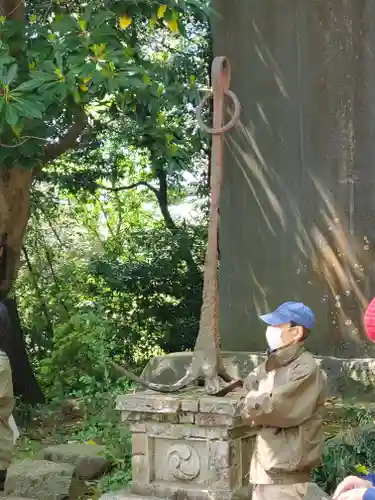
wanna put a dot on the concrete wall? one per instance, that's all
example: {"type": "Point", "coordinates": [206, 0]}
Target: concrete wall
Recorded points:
{"type": "Point", "coordinates": [298, 201]}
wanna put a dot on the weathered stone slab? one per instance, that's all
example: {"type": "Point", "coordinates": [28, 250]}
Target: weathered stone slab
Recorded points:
{"type": "Point", "coordinates": [147, 402]}
{"type": "Point", "coordinates": [43, 480]}
{"type": "Point", "coordinates": [218, 406]}
{"type": "Point", "coordinates": [88, 459]}
{"type": "Point", "coordinates": [185, 431]}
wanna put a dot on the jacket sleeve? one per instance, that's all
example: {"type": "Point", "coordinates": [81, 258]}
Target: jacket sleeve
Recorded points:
{"type": "Point", "coordinates": [250, 383]}
{"type": "Point", "coordinates": [369, 494]}
{"type": "Point", "coordinates": [290, 403]}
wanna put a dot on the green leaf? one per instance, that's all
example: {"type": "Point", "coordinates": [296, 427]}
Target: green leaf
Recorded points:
{"type": "Point", "coordinates": [44, 77]}
{"type": "Point", "coordinates": [12, 73]}
{"type": "Point", "coordinates": [5, 59]}
{"type": "Point", "coordinates": [28, 85]}
{"type": "Point", "coordinates": [17, 129]}
{"type": "Point", "coordinates": [28, 108]}
{"type": "Point", "coordinates": [11, 114]}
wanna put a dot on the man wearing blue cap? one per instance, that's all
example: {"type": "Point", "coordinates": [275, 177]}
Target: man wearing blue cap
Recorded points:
{"type": "Point", "coordinates": [284, 396]}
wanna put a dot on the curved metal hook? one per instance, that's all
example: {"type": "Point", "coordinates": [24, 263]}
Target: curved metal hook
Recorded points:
{"type": "Point", "coordinates": [224, 128]}
{"type": "Point", "coordinates": [220, 75]}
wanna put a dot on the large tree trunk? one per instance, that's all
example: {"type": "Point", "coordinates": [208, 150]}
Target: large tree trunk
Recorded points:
{"type": "Point", "coordinates": [15, 186]}
{"type": "Point", "coordinates": [24, 382]}
{"type": "Point", "coordinates": [298, 202]}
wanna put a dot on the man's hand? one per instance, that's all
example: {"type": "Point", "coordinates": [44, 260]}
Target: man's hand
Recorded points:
{"type": "Point", "coordinates": [355, 494]}
{"type": "Point", "coordinates": [255, 401]}
{"type": "Point", "coordinates": [348, 484]}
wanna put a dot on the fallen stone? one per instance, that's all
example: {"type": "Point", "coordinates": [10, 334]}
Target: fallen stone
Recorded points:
{"type": "Point", "coordinates": [43, 480]}
{"type": "Point", "coordinates": [88, 459]}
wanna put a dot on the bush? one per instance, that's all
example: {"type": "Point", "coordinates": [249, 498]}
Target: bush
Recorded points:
{"type": "Point", "coordinates": [349, 453]}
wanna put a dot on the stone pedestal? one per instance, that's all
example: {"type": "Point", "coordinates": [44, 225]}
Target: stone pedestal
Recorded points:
{"type": "Point", "coordinates": [187, 446]}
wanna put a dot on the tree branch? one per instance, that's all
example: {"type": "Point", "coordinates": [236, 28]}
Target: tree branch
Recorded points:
{"type": "Point", "coordinates": [185, 243]}
{"type": "Point", "coordinates": [67, 141]}
{"type": "Point", "coordinates": [162, 197]}
{"type": "Point", "coordinates": [130, 186]}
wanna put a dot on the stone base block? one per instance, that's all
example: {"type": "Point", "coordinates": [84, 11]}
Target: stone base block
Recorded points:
{"type": "Point", "coordinates": [187, 446]}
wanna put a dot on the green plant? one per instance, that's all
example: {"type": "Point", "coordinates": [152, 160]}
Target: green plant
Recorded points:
{"type": "Point", "coordinates": [346, 454]}
{"type": "Point", "coordinates": [95, 421]}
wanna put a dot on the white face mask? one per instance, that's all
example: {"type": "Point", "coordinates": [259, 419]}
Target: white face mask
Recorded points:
{"type": "Point", "coordinates": [273, 336]}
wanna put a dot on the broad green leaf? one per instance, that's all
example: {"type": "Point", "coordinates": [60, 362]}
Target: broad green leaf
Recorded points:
{"type": "Point", "coordinates": [28, 108]}
{"type": "Point", "coordinates": [11, 114]}
{"type": "Point", "coordinates": [17, 129]}
{"type": "Point", "coordinates": [76, 96]}
{"type": "Point", "coordinates": [44, 76]}
{"type": "Point", "coordinates": [5, 59]}
{"type": "Point", "coordinates": [28, 85]}
{"type": "Point", "coordinates": [12, 73]}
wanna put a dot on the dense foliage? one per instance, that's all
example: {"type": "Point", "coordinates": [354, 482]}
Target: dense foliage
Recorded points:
{"type": "Point", "coordinates": [70, 63]}
{"type": "Point", "coordinates": [99, 101]}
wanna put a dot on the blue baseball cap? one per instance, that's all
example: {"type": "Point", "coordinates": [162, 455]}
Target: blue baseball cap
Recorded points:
{"type": "Point", "coordinates": [288, 312]}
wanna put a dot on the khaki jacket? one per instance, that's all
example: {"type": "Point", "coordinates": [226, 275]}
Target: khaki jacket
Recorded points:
{"type": "Point", "coordinates": [284, 398]}
{"type": "Point", "coordinates": [6, 408]}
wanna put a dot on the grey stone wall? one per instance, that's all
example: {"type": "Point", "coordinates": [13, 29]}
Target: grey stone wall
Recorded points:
{"type": "Point", "coordinates": [298, 200]}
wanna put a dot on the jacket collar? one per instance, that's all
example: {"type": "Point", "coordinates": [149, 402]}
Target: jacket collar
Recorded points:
{"type": "Point", "coordinates": [284, 355]}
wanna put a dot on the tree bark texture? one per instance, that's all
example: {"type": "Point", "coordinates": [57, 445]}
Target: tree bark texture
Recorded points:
{"type": "Point", "coordinates": [15, 184]}
{"type": "Point", "coordinates": [24, 382]}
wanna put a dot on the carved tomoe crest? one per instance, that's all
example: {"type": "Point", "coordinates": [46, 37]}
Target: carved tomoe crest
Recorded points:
{"type": "Point", "coordinates": [183, 462]}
